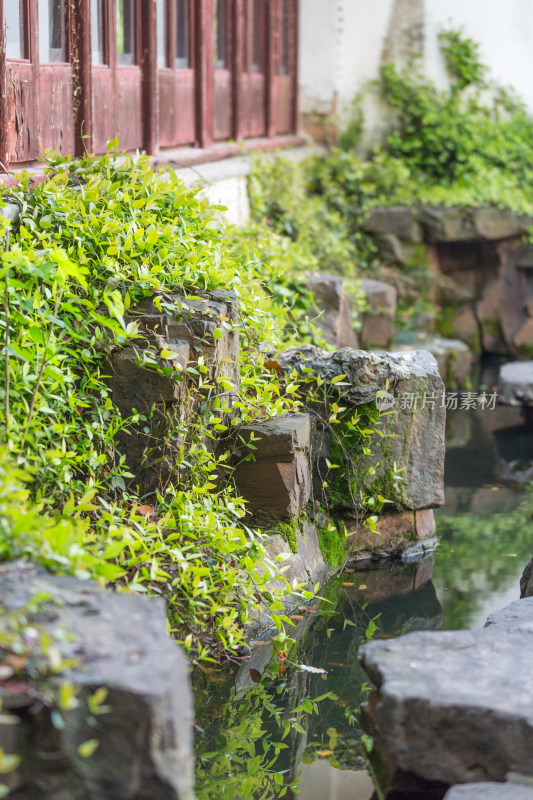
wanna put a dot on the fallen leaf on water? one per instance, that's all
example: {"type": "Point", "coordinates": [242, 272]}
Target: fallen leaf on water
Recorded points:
{"type": "Point", "coordinates": [325, 753]}
{"type": "Point", "coordinates": [296, 616]}
{"type": "Point", "coordinates": [282, 656]}
{"type": "Point", "coordinates": [347, 584]}
{"type": "Point", "coordinates": [255, 675]}
{"type": "Point", "coordinates": [314, 670]}
{"type": "Point", "coordinates": [349, 570]}
{"type": "Point", "coordinates": [257, 644]}
{"type": "Point", "coordinates": [511, 555]}
{"type": "Point", "coordinates": [306, 608]}
{"type": "Point", "coordinates": [335, 664]}
{"type": "Point", "coordinates": [363, 586]}
{"type": "Point", "coordinates": [386, 636]}
{"type": "Point", "coordinates": [495, 488]}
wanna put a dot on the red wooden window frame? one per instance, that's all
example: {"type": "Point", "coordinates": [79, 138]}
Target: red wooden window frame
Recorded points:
{"type": "Point", "coordinates": [147, 105]}
{"type": "Point", "coordinates": [177, 80]}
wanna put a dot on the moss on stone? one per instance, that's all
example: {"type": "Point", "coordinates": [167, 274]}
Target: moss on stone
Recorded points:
{"type": "Point", "coordinates": [331, 541]}
{"type": "Point", "coordinates": [289, 531]}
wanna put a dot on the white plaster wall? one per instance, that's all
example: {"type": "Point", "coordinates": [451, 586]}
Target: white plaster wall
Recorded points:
{"type": "Point", "coordinates": [504, 30]}
{"type": "Point", "coordinates": [317, 56]}
{"type": "Point", "coordinates": [342, 44]}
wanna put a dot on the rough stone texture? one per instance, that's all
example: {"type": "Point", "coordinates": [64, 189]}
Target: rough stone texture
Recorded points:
{"type": "Point", "coordinates": [490, 791]}
{"type": "Point", "coordinates": [452, 355]}
{"type": "Point", "coordinates": [395, 535]}
{"type": "Point", "coordinates": [390, 249]}
{"type": "Point", "coordinates": [185, 327]}
{"type": "Point", "coordinates": [418, 433]}
{"type": "Point", "coordinates": [400, 221]}
{"type": "Point", "coordinates": [526, 581]}
{"type": "Point", "coordinates": [120, 642]}
{"type": "Point", "coordinates": [277, 483]}
{"type": "Point", "coordinates": [333, 312]}
{"type": "Point", "coordinates": [515, 255]}
{"type": "Point", "coordinates": [10, 211]}
{"type": "Point", "coordinates": [377, 324]}
{"type": "Point", "coordinates": [458, 224]}
{"type": "Point", "coordinates": [306, 566]}
{"type": "Point", "coordinates": [515, 384]}
{"type": "Point", "coordinates": [456, 706]}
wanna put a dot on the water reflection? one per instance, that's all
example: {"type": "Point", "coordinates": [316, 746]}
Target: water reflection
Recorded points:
{"type": "Point", "coordinates": [485, 533]}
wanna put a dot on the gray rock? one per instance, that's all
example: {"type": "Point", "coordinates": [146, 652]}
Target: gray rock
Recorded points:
{"type": "Point", "coordinates": [277, 483]}
{"type": "Point", "coordinates": [526, 581]}
{"type": "Point", "coordinates": [400, 221]}
{"type": "Point", "coordinates": [453, 356]}
{"type": "Point", "coordinates": [458, 224]}
{"type": "Point", "coordinates": [417, 428]}
{"type": "Point", "coordinates": [333, 312]}
{"type": "Point", "coordinates": [490, 791]}
{"type": "Point", "coordinates": [119, 642]}
{"type": "Point", "coordinates": [457, 706]}
{"type": "Point", "coordinates": [515, 384]}
{"type": "Point", "coordinates": [10, 211]}
{"type": "Point", "coordinates": [305, 567]}
{"type": "Point", "coordinates": [377, 324]}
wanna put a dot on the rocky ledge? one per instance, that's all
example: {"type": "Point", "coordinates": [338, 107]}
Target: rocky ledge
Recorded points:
{"type": "Point", "coordinates": [456, 706]}
{"type": "Point", "coordinates": [95, 643]}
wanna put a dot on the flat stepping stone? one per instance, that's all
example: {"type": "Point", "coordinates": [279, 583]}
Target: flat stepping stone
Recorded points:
{"type": "Point", "coordinates": [490, 791]}
{"type": "Point", "coordinates": [515, 384]}
{"type": "Point", "coordinates": [457, 706]}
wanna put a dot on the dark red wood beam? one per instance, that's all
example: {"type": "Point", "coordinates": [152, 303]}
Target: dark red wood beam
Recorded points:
{"type": "Point", "coordinates": [204, 49]}
{"type": "Point", "coordinates": [150, 84]}
{"type": "Point", "coordinates": [4, 150]}
{"type": "Point", "coordinates": [81, 68]}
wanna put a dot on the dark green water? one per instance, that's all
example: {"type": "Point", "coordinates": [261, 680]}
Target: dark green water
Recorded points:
{"type": "Point", "coordinates": [486, 538]}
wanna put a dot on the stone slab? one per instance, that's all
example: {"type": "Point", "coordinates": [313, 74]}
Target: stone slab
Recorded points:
{"type": "Point", "coordinates": [515, 384]}
{"type": "Point", "coordinates": [490, 791]}
{"type": "Point", "coordinates": [118, 641]}
{"type": "Point", "coordinates": [457, 706]}
{"type": "Point", "coordinates": [417, 433]}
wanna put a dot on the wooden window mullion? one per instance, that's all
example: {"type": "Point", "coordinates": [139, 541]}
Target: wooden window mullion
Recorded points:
{"type": "Point", "coordinates": [147, 31]}
{"type": "Point", "coordinates": [273, 27]}
{"type": "Point", "coordinates": [238, 62]}
{"type": "Point", "coordinates": [204, 45]}
{"type": "Point", "coordinates": [80, 30]}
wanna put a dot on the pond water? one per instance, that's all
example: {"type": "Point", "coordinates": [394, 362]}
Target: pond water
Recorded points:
{"type": "Point", "coordinates": [485, 534]}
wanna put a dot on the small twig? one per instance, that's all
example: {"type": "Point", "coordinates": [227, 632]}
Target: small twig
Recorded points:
{"type": "Point", "coordinates": [41, 371]}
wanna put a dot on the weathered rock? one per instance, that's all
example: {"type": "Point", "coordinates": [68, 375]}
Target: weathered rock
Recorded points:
{"type": "Point", "coordinates": [303, 564]}
{"type": "Point", "coordinates": [119, 642]}
{"type": "Point", "coordinates": [490, 791]}
{"type": "Point", "coordinates": [377, 325]}
{"type": "Point", "coordinates": [452, 355]}
{"type": "Point", "coordinates": [176, 331]}
{"type": "Point", "coordinates": [526, 581]}
{"type": "Point", "coordinates": [10, 211]}
{"type": "Point", "coordinates": [390, 249]}
{"type": "Point", "coordinates": [396, 535]}
{"type": "Point", "coordinates": [457, 224]}
{"type": "Point", "coordinates": [515, 384]}
{"type": "Point", "coordinates": [332, 309]}
{"type": "Point", "coordinates": [277, 483]}
{"type": "Point", "coordinates": [416, 425]}
{"type": "Point", "coordinates": [457, 706]}
{"type": "Point", "coordinates": [400, 221]}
